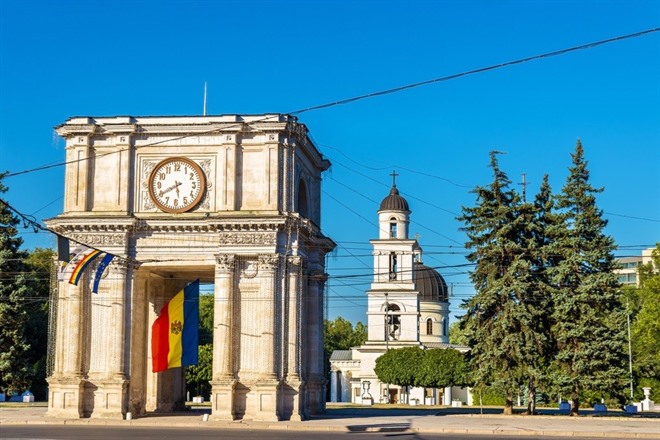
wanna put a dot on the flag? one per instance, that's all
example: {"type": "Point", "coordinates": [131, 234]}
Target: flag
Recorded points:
{"type": "Point", "coordinates": [66, 265]}
{"type": "Point", "coordinates": [82, 265]}
{"type": "Point", "coordinates": [99, 271]}
{"type": "Point", "coordinates": [174, 334]}
{"type": "Point", "coordinates": [63, 253]}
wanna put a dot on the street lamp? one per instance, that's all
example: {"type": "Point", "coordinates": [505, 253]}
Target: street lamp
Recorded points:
{"type": "Point", "coordinates": [387, 340]}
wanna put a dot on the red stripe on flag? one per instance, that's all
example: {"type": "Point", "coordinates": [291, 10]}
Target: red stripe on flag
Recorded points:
{"type": "Point", "coordinates": [160, 340]}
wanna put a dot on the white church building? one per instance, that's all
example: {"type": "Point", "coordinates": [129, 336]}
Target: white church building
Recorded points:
{"type": "Point", "coordinates": [407, 306]}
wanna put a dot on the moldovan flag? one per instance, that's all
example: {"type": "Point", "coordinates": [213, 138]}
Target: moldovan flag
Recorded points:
{"type": "Point", "coordinates": [174, 334]}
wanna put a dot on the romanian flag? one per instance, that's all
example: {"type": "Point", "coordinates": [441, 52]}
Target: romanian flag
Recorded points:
{"type": "Point", "coordinates": [82, 265]}
{"type": "Point", "coordinates": [174, 334]}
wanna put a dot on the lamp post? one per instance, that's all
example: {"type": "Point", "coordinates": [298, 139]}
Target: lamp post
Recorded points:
{"type": "Point", "coordinates": [387, 340]}
{"type": "Point", "coordinates": [629, 350]}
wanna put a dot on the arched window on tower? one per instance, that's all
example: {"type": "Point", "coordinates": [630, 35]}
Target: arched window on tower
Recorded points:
{"type": "Point", "coordinates": [443, 327]}
{"type": "Point", "coordinates": [429, 326]}
{"type": "Point", "coordinates": [393, 322]}
{"type": "Point", "coordinates": [393, 266]}
{"type": "Point", "coordinates": [392, 227]}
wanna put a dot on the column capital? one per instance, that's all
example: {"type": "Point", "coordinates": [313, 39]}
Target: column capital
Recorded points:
{"type": "Point", "coordinates": [294, 260]}
{"type": "Point", "coordinates": [317, 275]}
{"type": "Point", "coordinates": [269, 261]}
{"type": "Point", "coordinates": [225, 262]}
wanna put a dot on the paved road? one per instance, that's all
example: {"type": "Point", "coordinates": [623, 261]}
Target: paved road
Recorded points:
{"type": "Point", "coordinates": [65, 432]}
{"type": "Point", "coordinates": [408, 423]}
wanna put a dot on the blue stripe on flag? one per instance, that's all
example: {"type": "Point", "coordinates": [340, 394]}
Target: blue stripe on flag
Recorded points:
{"type": "Point", "coordinates": [190, 335]}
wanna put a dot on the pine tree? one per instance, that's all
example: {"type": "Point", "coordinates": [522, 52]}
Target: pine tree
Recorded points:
{"type": "Point", "coordinates": [588, 319]}
{"type": "Point", "coordinates": [502, 319]}
{"type": "Point", "coordinates": [15, 368]}
{"type": "Point", "coordinates": [538, 302]}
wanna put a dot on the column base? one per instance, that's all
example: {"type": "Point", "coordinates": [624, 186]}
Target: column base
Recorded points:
{"type": "Point", "coordinates": [110, 398]}
{"type": "Point", "coordinates": [262, 401]}
{"type": "Point", "coordinates": [315, 397]}
{"type": "Point", "coordinates": [65, 397]}
{"type": "Point", "coordinates": [292, 400]}
{"type": "Point", "coordinates": [223, 399]}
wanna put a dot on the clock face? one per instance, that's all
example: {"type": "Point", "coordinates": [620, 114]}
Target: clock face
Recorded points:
{"type": "Point", "coordinates": [176, 184]}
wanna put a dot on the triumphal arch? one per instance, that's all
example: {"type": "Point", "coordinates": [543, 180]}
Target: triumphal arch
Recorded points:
{"type": "Point", "coordinates": [231, 200]}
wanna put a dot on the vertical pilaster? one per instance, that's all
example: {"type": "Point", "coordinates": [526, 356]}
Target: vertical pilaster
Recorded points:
{"type": "Point", "coordinates": [224, 381]}
{"type": "Point", "coordinates": [77, 174]}
{"type": "Point", "coordinates": [66, 384]}
{"type": "Point", "coordinates": [268, 265]}
{"type": "Point", "coordinates": [111, 391]}
{"type": "Point", "coordinates": [262, 400]}
{"type": "Point", "coordinates": [315, 381]}
{"type": "Point", "coordinates": [293, 378]}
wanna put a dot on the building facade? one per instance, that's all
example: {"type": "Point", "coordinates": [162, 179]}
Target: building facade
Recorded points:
{"type": "Point", "coordinates": [628, 272]}
{"type": "Point", "coordinates": [407, 306]}
{"type": "Point", "coordinates": [231, 200]}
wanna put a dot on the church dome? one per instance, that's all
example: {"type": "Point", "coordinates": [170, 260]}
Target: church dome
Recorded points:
{"type": "Point", "coordinates": [394, 202]}
{"type": "Point", "coordinates": [430, 284]}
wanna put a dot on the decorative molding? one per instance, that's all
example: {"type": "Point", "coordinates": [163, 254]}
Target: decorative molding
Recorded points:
{"type": "Point", "coordinates": [97, 240]}
{"type": "Point", "coordinates": [249, 268]}
{"type": "Point", "coordinates": [248, 238]}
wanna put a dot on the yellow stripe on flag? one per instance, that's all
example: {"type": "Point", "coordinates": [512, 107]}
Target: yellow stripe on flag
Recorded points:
{"type": "Point", "coordinates": [175, 312]}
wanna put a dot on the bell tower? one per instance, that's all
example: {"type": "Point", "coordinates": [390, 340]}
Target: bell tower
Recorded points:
{"type": "Point", "coordinates": [392, 299]}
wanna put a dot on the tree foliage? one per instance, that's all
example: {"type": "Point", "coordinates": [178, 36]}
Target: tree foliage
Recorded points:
{"type": "Point", "coordinates": [645, 326]}
{"type": "Point", "coordinates": [340, 335]}
{"type": "Point", "coordinates": [38, 264]}
{"type": "Point", "coordinates": [588, 317]}
{"type": "Point", "coordinates": [457, 335]}
{"type": "Point", "coordinates": [506, 324]}
{"type": "Point", "coordinates": [15, 367]}
{"type": "Point", "coordinates": [442, 368]}
{"type": "Point", "coordinates": [547, 309]}
{"type": "Point", "coordinates": [206, 303]}
{"type": "Point", "coordinates": [200, 375]}
{"type": "Point", "coordinates": [400, 366]}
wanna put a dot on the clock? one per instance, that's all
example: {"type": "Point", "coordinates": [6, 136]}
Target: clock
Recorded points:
{"type": "Point", "coordinates": [176, 184]}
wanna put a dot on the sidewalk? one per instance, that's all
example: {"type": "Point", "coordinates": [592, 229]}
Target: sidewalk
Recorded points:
{"type": "Point", "coordinates": [358, 419]}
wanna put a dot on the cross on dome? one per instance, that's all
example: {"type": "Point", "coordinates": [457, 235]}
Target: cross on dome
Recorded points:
{"type": "Point", "coordinates": [394, 174]}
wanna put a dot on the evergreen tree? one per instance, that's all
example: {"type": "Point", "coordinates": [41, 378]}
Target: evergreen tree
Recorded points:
{"type": "Point", "coordinates": [39, 264]}
{"type": "Point", "coordinates": [588, 319]}
{"type": "Point", "coordinates": [537, 303]}
{"type": "Point", "coordinates": [15, 368]}
{"type": "Point", "coordinates": [499, 324]}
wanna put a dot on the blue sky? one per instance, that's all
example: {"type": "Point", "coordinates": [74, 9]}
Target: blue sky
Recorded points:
{"type": "Point", "coordinates": [100, 58]}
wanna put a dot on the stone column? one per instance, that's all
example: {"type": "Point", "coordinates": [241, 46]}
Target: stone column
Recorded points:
{"type": "Point", "coordinates": [66, 384]}
{"type": "Point", "coordinates": [293, 377]}
{"type": "Point", "coordinates": [262, 400]}
{"type": "Point", "coordinates": [314, 351]}
{"type": "Point", "coordinates": [224, 380]}
{"type": "Point", "coordinates": [268, 265]}
{"type": "Point", "coordinates": [111, 395]}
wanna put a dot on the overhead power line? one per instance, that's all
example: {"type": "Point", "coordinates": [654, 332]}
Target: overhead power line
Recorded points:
{"type": "Point", "coordinates": [475, 71]}
{"type": "Point", "coordinates": [381, 92]}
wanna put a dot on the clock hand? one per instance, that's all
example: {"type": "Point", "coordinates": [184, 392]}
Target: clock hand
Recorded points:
{"type": "Point", "coordinates": [175, 186]}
